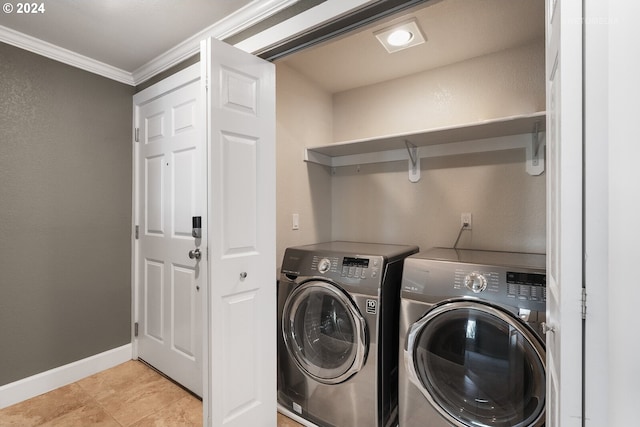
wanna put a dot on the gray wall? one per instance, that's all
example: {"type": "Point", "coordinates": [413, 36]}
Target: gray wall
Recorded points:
{"type": "Point", "coordinates": [168, 73]}
{"type": "Point", "coordinates": [65, 209]}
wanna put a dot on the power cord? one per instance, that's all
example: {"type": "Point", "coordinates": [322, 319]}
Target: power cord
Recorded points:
{"type": "Point", "coordinates": [464, 225]}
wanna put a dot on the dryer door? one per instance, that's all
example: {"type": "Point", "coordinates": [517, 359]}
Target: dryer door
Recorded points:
{"type": "Point", "coordinates": [324, 332]}
{"type": "Point", "coordinates": [478, 366]}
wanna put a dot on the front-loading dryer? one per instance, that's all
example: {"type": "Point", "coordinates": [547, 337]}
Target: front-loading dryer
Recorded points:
{"type": "Point", "coordinates": [471, 346]}
{"type": "Point", "coordinates": [338, 305]}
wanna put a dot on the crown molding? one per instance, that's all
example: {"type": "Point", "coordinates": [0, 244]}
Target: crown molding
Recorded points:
{"type": "Point", "coordinates": [238, 21]}
{"type": "Point", "coordinates": [63, 55]}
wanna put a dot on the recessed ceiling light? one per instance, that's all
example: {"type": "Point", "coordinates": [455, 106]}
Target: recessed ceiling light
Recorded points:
{"type": "Point", "coordinates": [400, 36]}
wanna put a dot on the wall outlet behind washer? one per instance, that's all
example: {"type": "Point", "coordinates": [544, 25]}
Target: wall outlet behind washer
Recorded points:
{"type": "Point", "coordinates": [466, 220]}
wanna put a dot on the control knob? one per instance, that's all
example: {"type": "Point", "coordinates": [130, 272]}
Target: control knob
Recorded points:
{"type": "Point", "coordinates": [324, 265]}
{"type": "Point", "coordinates": [475, 282]}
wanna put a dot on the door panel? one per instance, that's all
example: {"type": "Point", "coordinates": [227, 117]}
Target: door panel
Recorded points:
{"type": "Point", "coordinates": [154, 195]}
{"type": "Point", "coordinates": [242, 298]}
{"type": "Point", "coordinates": [170, 191]}
{"type": "Point", "coordinates": [185, 202]}
{"type": "Point", "coordinates": [239, 176]}
{"type": "Point", "coordinates": [183, 310]}
{"type": "Point", "coordinates": [154, 292]}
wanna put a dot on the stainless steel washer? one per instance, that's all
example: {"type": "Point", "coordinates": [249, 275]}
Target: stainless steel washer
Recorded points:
{"type": "Point", "coordinates": [471, 346]}
{"type": "Point", "coordinates": [338, 306]}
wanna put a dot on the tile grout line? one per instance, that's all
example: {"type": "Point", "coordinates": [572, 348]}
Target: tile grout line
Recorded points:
{"type": "Point", "coordinates": [97, 403]}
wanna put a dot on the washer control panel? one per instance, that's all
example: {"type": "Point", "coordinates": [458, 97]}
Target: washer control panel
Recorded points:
{"type": "Point", "coordinates": [511, 279]}
{"type": "Point", "coordinates": [527, 286]}
{"type": "Point", "coordinates": [324, 265]}
{"type": "Point", "coordinates": [518, 285]}
{"type": "Point", "coordinates": [347, 267]}
{"type": "Point", "coordinates": [475, 282]}
{"type": "Point", "coordinates": [359, 268]}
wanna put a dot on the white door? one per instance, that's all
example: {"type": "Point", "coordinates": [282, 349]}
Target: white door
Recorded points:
{"type": "Point", "coordinates": [241, 389]}
{"type": "Point", "coordinates": [170, 190]}
{"type": "Point", "coordinates": [564, 213]}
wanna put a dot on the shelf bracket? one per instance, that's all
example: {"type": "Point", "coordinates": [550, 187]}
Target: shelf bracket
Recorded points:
{"type": "Point", "coordinates": [535, 151]}
{"type": "Point", "coordinates": [414, 161]}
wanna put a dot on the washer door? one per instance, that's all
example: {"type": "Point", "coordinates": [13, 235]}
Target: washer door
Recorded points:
{"type": "Point", "coordinates": [324, 332]}
{"type": "Point", "coordinates": [478, 366]}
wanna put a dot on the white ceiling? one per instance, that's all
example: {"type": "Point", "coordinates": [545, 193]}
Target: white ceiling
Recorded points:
{"type": "Point", "coordinates": [125, 34]}
{"type": "Point", "coordinates": [128, 35]}
{"type": "Point", "coordinates": [455, 30]}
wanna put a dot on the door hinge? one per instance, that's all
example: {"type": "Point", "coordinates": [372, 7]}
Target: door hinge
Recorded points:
{"type": "Point", "coordinates": [135, 329]}
{"type": "Point", "coordinates": [584, 303]}
{"type": "Point", "coordinates": [137, 232]}
{"type": "Point", "coordinates": [137, 135]}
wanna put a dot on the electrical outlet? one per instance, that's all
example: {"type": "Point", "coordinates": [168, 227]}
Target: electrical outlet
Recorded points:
{"type": "Point", "coordinates": [466, 220]}
{"type": "Point", "coordinates": [295, 221]}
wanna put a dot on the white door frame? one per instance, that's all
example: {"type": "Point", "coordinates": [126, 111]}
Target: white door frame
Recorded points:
{"type": "Point", "coordinates": [612, 202]}
{"type": "Point", "coordinates": [564, 55]}
{"type": "Point", "coordinates": [596, 211]}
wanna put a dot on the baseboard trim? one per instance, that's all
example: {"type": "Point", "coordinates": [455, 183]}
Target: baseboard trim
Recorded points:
{"type": "Point", "coordinates": [44, 382]}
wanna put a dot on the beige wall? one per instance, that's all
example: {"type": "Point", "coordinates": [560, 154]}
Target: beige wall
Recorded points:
{"type": "Point", "coordinates": [377, 203]}
{"type": "Point", "coordinates": [304, 119]}
{"type": "Point", "coordinates": [502, 84]}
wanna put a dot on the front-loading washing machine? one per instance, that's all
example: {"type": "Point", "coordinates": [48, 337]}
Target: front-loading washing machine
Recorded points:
{"type": "Point", "coordinates": [471, 345]}
{"type": "Point", "coordinates": [338, 306]}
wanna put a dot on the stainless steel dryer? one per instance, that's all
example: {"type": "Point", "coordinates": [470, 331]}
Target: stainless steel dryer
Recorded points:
{"type": "Point", "coordinates": [338, 305]}
{"type": "Point", "coordinates": [471, 346]}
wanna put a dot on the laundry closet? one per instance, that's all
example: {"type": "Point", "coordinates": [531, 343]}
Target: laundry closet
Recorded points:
{"type": "Point", "coordinates": [486, 66]}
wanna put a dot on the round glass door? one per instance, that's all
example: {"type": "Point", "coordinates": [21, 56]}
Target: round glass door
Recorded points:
{"type": "Point", "coordinates": [478, 366]}
{"type": "Point", "coordinates": [324, 332]}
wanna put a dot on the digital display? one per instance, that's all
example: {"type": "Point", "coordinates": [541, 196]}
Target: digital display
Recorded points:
{"type": "Point", "coordinates": [533, 279]}
{"type": "Point", "coordinates": [355, 262]}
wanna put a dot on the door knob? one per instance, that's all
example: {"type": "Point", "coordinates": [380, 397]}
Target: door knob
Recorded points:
{"type": "Point", "coordinates": [195, 254]}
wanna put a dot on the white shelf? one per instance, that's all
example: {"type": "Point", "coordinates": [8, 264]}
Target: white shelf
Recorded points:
{"type": "Point", "coordinates": [524, 131]}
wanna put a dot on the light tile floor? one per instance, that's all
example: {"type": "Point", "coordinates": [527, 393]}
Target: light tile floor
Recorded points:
{"type": "Point", "coordinates": [128, 395]}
